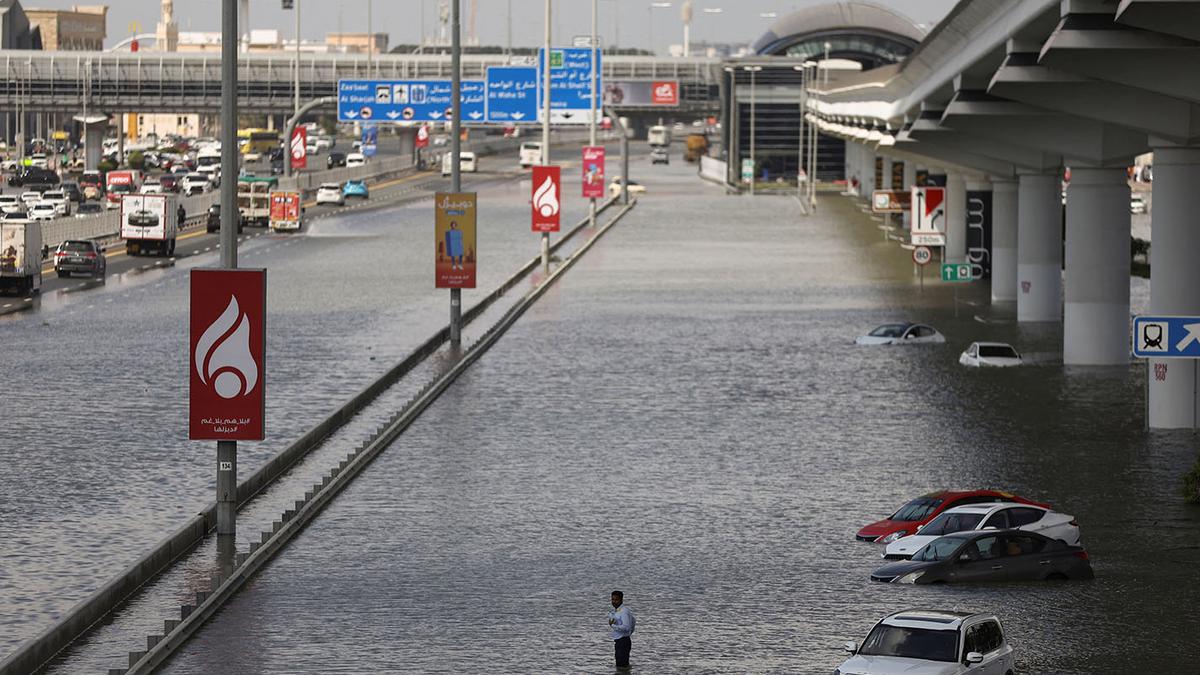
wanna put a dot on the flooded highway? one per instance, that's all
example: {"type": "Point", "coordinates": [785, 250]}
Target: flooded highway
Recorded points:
{"type": "Point", "coordinates": [686, 417]}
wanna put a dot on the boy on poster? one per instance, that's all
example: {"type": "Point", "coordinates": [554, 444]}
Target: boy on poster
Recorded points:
{"type": "Point", "coordinates": [454, 240]}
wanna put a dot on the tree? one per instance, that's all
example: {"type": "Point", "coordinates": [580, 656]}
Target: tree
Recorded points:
{"type": "Point", "coordinates": [136, 160]}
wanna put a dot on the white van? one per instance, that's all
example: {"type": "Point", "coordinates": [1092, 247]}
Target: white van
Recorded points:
{"type": "Point", "coordinates": [531, 153]}
{"type": "Point", "coordinates": [355, 159]}
{"type": "Point", "coordinates": [466, 163]}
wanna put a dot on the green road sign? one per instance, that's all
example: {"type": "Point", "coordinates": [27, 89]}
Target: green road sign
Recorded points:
{"type": "Point", "coordinates": [956, 272]}
{"type": "Point", "coordinates": [556, 58]}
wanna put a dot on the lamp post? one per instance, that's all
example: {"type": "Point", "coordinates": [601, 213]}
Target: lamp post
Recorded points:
{"type": "Point", "coordinates": [370, 39]}
{"type": "Point", "coordinates": [297, 93]}
{"type": "Point", "coordinates": [650, 23]}
{"type": "Point", "coordinates": [711, 11]}
{"type": "Point", "coordinates": [685, 13]}
{"type": "Point", "coordinates": [812, 143]}
{"type": "Point", "coordinates": [754, 173]}
{"type": "Point", "coordinates": [455, 150]}
{"type": "Point", "coordinates": [546, 126]}
{"type": "Point", "coordinates": [733, 155]}
{"type": "Point", "coordinates": [800, 140]}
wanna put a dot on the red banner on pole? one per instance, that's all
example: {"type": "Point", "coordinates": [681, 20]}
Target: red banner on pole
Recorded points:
{"type": "Point", "coordinates": [593, 171]}
{"type": "Point", "coordinates": [422, 140]}
{"type": "Point", "coordinates": [547, 201]}
{"type": "Point", "coordinates": [228, 355]}
{"type": "Point", "coordinates": [299, 148]}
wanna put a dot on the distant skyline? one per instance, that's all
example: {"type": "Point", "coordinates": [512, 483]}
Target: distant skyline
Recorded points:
{"type": "Point", "coordinates": [739, 22]}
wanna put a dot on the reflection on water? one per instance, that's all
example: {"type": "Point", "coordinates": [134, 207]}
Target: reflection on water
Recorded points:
{"type": "Point", "coordinates": [686, 417]}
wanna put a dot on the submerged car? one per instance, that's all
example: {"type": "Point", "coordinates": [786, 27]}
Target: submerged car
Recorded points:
{"type": "Point", "coordinates": [987, 517]}
{"type": "Point", "coordinates": [990, 354]}
{"type": "Point", "coordinates": [925, 508]}
{"type": "Point", "coordinates": [931, 642]}
{"type": "Point", "coordinates": [356, 188]}
{"type": "Point", "coordinates": [901, 334]}
{"type": "Point", "coordinates": [635, 188]}
{"type": "Point", "coordinates": [989, 555]}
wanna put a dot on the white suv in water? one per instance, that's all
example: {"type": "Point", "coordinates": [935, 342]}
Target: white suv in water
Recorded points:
{"type": "Point", "coordinates": [925, 642]}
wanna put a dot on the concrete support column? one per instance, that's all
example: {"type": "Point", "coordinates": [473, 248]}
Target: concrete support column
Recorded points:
{"type": "Point", "coordinates": [1004, 241]}
{"type": "Point", "coordinates": [910, 179]}
{"type": "Point", "coordinates": [956, 217]}
{"type": "Point", "coordinates": [869, 173]}
{"type": "Point", "coordinates": [1174, 280]}
{"type": "Point", "coordinates": [95, 139]}
{"type": "Point", "coordinates": [1096, 307]}
{"type": "Point", "coordinates": [1039, 248]}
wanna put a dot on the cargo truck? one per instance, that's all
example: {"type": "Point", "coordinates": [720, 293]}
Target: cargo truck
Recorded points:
{"type": "Point", "coordinates": [20, 256]}
{"type": "Point", "coordinates": [254, 199]}
{"type": "Point", "coordinates": [286, 211]}
{"type": "Point", "coordinates": [149, 224]}
{"type": "Point", "coordinates": [120, 183]}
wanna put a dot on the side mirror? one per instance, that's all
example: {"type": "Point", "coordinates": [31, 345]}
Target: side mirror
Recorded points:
{"type": "Point", "coordinates": [851, 647]}
{"type": "Point", "coordinates": [974, 657]}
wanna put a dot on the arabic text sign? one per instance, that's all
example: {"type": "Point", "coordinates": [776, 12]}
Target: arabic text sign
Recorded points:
{"type": "Point", "coordinates": [593, 172]}
{"type": "Point", "coordinates": [547, 198]}
{"type": "Point", "coordinates": [227, 400]}
{"type": "Point", "coordinates": [1166, 337]}
{"type": "Point", "coordinates": [636, 93]}
{"type": "Point", "coordinates": [454, 239]}
{"type": "Point", "coordinates": [407, 100]}
{"type": "Point", "coordinates": [570, 84]}
{"type": "Point", "coordinates": [512, 94]}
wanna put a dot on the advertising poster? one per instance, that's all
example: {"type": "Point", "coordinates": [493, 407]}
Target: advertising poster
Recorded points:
{"type": "Point", "coordinates": [299, 148]}
{"type": "Point", "coordinates": [627, 93]}
{"type": "Point", "coordinates": [12, 249]}
{"type": "Point", "coordinates": [547, 198]}
{"type": "Point", "coordinates": [454, 239]}
{"type": "Point", "coordinates": [227, 393]}
{"type": "Point", "coordinates": [593, 172]}
{"type": "Point", "coordinates": [370, 140]}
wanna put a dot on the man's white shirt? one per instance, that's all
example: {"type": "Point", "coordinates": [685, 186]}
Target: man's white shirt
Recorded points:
{"type": "Point", "coordinates": [623, 622]}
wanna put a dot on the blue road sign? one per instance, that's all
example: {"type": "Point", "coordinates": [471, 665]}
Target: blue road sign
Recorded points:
{"type": "Point", "coordinates": [1166, 337]}
{"type": "Point", "coordinates": [370, 140]}
{"type": "Point", "coordinates": [407, 100]}
{"type": "Point", "coordinates": [512, 94]}
{"type": "Point", "coordinates": [570, 83]}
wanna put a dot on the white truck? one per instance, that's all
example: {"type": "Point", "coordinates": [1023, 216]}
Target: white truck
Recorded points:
{"type": "Point", "coordinates": [20, 256]}
{"type": "Point", "coordinates": [149, 223]}
{"type": "Point", "coordinates": [531, 154]}
{"type": "Point", "coordinates": [658, 136]}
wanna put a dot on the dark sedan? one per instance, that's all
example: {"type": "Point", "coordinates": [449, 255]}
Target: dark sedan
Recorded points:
{"type": "Point", "coordinates": [335, 160]}
{"type": "Point", "coordinates": [212, 220]}
{"type": "Point", "coordinates": [169, 183]}
{"type": "Point", "coordinates": [989, 555]}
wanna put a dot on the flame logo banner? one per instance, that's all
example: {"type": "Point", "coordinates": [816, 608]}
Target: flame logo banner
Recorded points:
{"type": "Point", "coordinates": [223, 358]}
{"type": "Point", "coordinates": [544, 199]}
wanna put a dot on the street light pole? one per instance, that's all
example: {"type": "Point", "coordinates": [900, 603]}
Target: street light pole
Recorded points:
{"type": "Point", "coordinates": [546, 125]}
{"type": "Point", "coordinates": [754, 164]}
{"type": "Point", "coordinates": [813, 146]}
{"type": "Point", "coordinates": [455, 150]}
{"type": "Point", "coordinates": [800, 184]}
{"type": "Point", "coordinates": [297, 97]}
{"type": "Point", "coordinates": [371, 39]}
{"type": "Point", "coordinates": [592, 126]}
{"type": "Point", "coordinates": [227, 450]}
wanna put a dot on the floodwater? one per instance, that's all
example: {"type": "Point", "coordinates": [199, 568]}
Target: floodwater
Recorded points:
{"type": "Point", "coordinates": [685, 417]}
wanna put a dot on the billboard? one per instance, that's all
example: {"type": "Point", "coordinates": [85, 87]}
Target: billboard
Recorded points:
{"type": "Point", "coordinates": [928, 216]}
{"type": "Point", "coordinates": [632, 93]}
{"type": "Point", "coordinates": [546, 201]}
{"type": "Point", "coordinates": [227, 363]}
{"type": "Point", "coordinates": [593, 172]}
{"type": "Point", "coordinates": [454, 239]}
{"type": "Point", "coordinates": [299, 148]}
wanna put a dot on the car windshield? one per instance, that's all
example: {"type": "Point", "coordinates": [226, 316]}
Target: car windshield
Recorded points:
{"type": "Point", "coordinates": [88, 208]}
{"type": "Point", "coordinates": [918, 509]}
{"type": "Point", "coordinates": [75, 246]}
{"type": "Point", "coordinates": [120, 188]}
{"type": "Point", "coordinates": [912, 643]}
{"type": "Point", "coordinates": [949, 523]}
{"type": "Point", "coordinates": [998, 351]}
{"type": "Point", "coordinates": [889, 330]}
{"type": "Point", "coordinates": [938, 549]}
{"type": "Point", "coordinates": [8, 199]}
{"type": "Point", "coordinates": [329, 186]}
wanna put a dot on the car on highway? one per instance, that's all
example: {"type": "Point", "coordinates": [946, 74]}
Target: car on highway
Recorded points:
{"type": "Point", "coordinates": [195, 184]}
{"type": "Point", "coordinates": [152, 186]}
{"type": "Point", "coordinates": [87, 209]}
{"type": "Point", "coordinates": [60, 201]}
{"type": "Point", "coordinates": [71, 189]}
{"type": "Point", "coordinates": [987, 517]}
{"type": "Point", "coordinates": [355, 159]}
{"type": "Point", "coordinates": [15, 215]}
{"type": "Point", "coordinates": [42, 210]}
{"type": "Point", "coordinates": [30, 197]}
{"type": "Point", "coordinates": [330, 193]}
{"type": "Point", "coordinates": [925, 508]}
{"type": "Point", "coordinates": [31, 175]}
{"type": "Point", "coordinates": [989, 555]}
{"type": "Point", "coordinates": [660, 155]}
{"type": "Point", "coordinates": [92, 184]}
{"type": "Point", "coordinates": [335, 160]}
{"type": "Point", "coordinates": [467, 163]}
{"type": "Point", "coordinates": [169, 182]}
{"type": "Point", "coordinates": [440, 141]}
{"type": "Point", "coordinates": [11, 204]}
{"type": "Point", "coordinates": [635, 188]}
{"type": "Point", "coordinates": [931, 642]}
{"type": "Point", "coordinates": [212, 219]}
{"type": "Point", "coordinates": [180, 170]}
{"type": "Point", "coordinates": [324, 142]}
{"type": "Point", "coordinates": [990, 354]}
{"type": "Point", "coordinates": [903, 333]}
{"type": "Point", "coordinates": [356, 188]}
{"type": "Point", "coordinates": [530, 154]}
{"type": "Point", "coordinates": [80, 256]}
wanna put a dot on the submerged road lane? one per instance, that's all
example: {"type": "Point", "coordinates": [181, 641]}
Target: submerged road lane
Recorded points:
{"type": "Point", "coordinates": [686, 417]}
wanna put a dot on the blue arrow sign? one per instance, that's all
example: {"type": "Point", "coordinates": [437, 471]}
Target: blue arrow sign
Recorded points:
{"type": "Point", "coordinates": [407, 100]}
{"type": "Point", "coordinates": [1166, 337]}
{"type": "Point", "coordinates": [512, 94]}
{"type": "Point", "coordinates": [570, 83]}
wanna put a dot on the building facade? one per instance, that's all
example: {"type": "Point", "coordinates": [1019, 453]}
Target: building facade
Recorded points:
{"type": "Point", "coordinates": [81, 28]}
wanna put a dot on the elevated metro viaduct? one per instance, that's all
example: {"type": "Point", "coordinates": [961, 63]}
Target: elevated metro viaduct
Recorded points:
{"type": "Point", "coordinates": [1005, 94]}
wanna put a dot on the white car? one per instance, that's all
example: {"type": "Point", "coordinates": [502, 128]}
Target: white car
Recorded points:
{"type": "Point", "coordinates": [635, 188]}
{"type": "Point", "coordinates": [466, 163]}
{"type": "Point", "coordinates": [30, 197]}
{"type": "Point", "coordinates": [901, 334]}
{"type": "Point", "coordinates": [59, 199]}
{"type": "Point", "coordinates": [931, 642]}
{"type": "Point", "coordinates": [987, 517]}
{"type": "Point", "coordinates": [39, 161]}
{"type": "Point", "coordinates": [330, 193]}
{"type": "Point", "coordinates": [990, 354]}
{"type": "Point", "coordinates": [43, 211]}
{"type": "Point", "coordinates": [324, 143]}
{"type": "Point", "coordinates": [355, 159]}
{"type": "Point", "coordinates": [195, 184]}
{"type": "Point", "coordinates": [11, 204]}
{"type": "Point", "coordinates": [152, 186]}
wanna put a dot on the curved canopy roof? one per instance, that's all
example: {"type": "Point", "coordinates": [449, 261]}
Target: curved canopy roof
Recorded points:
{"type": "Point", "coordinates": [856, 30]}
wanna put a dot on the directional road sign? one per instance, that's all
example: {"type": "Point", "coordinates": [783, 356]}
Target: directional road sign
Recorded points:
{"type": "Point", "coordinates": [570, 84]}
{"type": "Point", "coordinates": [1166, 337]}
{"type": "Point", "coordinates": [957, 272]}
{"type": "Point", "coordinates": [512, 94]}
{"type": "Point", "coordinates": [928, 216]}
{"type": "Point", "coordinates": [407, 100]}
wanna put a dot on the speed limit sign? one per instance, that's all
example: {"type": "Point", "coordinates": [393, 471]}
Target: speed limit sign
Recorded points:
{"type": "Point", "coordinates": [922, 255]}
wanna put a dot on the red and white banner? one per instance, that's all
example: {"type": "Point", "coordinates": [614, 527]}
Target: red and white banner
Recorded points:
{"type": "Point", "coordinates": [547, 198]}
{"type": "Point", "coordinates": [665, 93]}
{"type": "Point", "coordinates": [593, 171]}
{"type": "Point", "coordinates": [422, 140]}
{"type": "Point", "coordinates": [227, 361]}
{"type": "Point", "coordinates": [299, 148]}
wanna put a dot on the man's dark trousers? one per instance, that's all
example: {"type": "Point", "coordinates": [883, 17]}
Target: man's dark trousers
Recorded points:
{"type": "Point", "coordinates": [622, 647]}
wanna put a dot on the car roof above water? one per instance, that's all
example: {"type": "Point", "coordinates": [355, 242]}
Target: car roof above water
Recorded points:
{"type": "Point", "coordinates": [932, 619]}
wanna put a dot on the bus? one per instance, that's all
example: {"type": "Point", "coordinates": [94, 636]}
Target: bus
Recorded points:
{"type": "Point", "coordinates": [254, 143]}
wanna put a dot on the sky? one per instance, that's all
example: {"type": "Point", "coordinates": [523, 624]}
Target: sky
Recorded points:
{"type": "Point", "coordinates": [740, 21]}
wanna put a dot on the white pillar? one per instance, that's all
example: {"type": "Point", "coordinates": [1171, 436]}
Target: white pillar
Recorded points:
{"type": "Point", "coordinates": [1039, 248]}
{"type": "Point", "coordinates": [869, 170]}
{"type": "Point", "coordinates": [1004, 241]}
{"type": "Point", "coordinates": [1096, 307]}
{"type": "Point", "coordinates": [956, 217]}
{"type": "Point", "coordinates": [910, 179]}
{"type": "Point", "coordinates": [1174, 280]}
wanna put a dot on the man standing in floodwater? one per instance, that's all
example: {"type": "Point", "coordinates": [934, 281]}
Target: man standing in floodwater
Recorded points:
{"type": "Point", "coordinates": [621, 623]}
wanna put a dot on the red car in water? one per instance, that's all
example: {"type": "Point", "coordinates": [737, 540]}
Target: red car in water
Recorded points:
{"type": "Point", "coordinates": [923, 509]}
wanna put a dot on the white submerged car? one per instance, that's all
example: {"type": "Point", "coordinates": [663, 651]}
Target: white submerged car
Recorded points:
{"type": "Point", "coordinates": [330, 193]}
{"type": "Point", "coordinates": [990, 354]}
{"type": "Point", "coordinates": [987, 517]}
{"type": "Point", "coordinates": [930, 642]}
{"type": "Point", "coordinates": [902, 334]}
